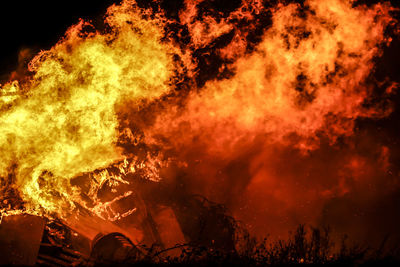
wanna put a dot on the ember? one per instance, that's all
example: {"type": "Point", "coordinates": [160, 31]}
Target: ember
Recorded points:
{"type": "Point", "coordinates": [172, 126]}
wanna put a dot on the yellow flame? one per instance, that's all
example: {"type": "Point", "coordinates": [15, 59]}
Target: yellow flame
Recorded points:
{"type": "Point", "coordinates": [65, 122]}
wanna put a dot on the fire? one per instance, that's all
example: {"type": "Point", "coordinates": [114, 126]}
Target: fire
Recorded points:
{"type": "Point", "coordinates": [270, 96]}
{"type": "Point", "coordinates": [253, 128]}
{"type": "Point", "coordinates": [63, 122]}
{"type": "Point", "coordinates": [307, 76]}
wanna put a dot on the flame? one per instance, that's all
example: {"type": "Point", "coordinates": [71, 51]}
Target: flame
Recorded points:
{"type": "Point", "coordinates": [63, 122]}
{"type": "Point", "coordinates": [252, 133]}
{"type": "Point", "coordinates": [307, 76]}
{"type": "Point", "coordinates": [222, 95]}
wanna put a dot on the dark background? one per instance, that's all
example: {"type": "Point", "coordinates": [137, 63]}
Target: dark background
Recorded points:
{"type": "Point", "coordinates": [40, 24]}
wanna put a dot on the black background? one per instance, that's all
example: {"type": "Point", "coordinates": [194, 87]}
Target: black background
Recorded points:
{"type": "Point", "coordinates": [40, 24]}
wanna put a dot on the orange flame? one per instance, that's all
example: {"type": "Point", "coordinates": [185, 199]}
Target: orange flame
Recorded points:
{"type": "Point", "coordinates": [307, 76]}
{"type": "Point", "coordinates": [303, 80]}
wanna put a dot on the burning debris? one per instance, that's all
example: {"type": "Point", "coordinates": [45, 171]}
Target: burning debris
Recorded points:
{"type": "Point", "coordinates": [117, 142]}
{"type": "Point", "coordinates": [155, 236]}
